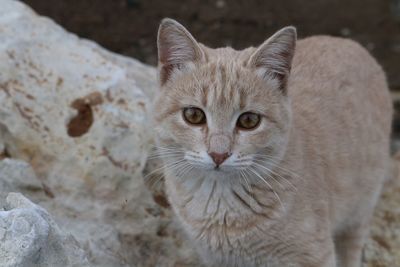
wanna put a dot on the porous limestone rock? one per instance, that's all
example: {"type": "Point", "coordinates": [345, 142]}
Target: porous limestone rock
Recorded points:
{"type": "Point", "coordinates": [66, 108]}
{"type": "Point", "coordinates": [30, 238]}
{"type": "Point", "coordinates": [17, 175]}
{"type": "Point", "coordinates": [78, 115]}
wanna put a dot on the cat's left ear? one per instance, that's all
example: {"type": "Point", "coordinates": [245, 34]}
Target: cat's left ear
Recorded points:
{"type": "Point", "coordinates": [273, 58]}
{"type": "Point", "coordinates": [177, 49]}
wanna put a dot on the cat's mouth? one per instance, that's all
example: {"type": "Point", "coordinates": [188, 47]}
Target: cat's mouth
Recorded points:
{"type": "Point", "coordinates": [217, 168]}
{"type": "Point", "coordinates": [226, 169]}
{"type": "Point", "coordinates": [203, 162]}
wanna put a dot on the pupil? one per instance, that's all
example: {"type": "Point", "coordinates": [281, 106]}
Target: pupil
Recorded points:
{"type": "Point", "coordinates": [248, 120]}
{"type": "Point", "coordinates": [196, 116]}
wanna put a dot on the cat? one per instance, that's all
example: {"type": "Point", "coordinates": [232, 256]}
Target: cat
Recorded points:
{"type": "Point", "coordinates": [275, 155]}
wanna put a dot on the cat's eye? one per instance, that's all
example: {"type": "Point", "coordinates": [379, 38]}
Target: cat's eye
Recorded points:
{"type": "Point", "coordinates": [193, 115]}
{"type": "Point", "coordinates": [248, 121]}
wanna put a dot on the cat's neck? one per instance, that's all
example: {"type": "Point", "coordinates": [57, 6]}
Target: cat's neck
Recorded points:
{"type": "Point", "coordinates": [204, 199]}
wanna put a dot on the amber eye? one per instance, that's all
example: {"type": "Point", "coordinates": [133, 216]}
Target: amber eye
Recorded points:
{"type": "Point", "coordinates": [248, 121]}
{"type": "Point", "coordinates": [194, 115]}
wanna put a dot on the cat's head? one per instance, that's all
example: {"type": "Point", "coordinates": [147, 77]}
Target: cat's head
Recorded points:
{"type": "Point", "coordinates": [222, 110]}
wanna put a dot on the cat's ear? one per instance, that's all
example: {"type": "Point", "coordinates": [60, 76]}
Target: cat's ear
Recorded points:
{"type": "Point", "coordinates": [176, 48]}
{"type": "Point", "coordinates": [273, 58]}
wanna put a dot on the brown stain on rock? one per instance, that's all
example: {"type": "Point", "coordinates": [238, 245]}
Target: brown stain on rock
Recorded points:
{"type": "Point", "coordinates": [108, 95]}
{"type": "Point", "coordinates": [121, 102]}
{"type": "Point", "coordinates": [4, 154]}
{"type": "Point", "coordinates": [26, 116]}
{"type": "Point", "coordinates": [47, 191]}
{"type": "Point", "coordinates": [94, 98]}
{"type": "Point", "coordinates": [114, 162]}
{"type": "Point", "coordinates": [161, 200]}
{"type": "Point", "coordinates": [60, 81]}
{"type": "Point", "coordinates": [81, 123]}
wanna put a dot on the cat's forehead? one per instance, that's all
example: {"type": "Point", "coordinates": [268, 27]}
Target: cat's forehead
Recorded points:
{"type": "Point", "coordinates": [224, 83]}
{"type": "Point", "coordinates": [225, 71]}
{"type": "Point", "coordinates": [227, 55]}
{"type": "Point", "coordinates": [224, 68]}
{"type": "Point", "coordinates": [221, 83]}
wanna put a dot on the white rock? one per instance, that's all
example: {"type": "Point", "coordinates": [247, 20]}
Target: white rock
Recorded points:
{"type": "Point", "coordinates": [17, 175]}
{"type": "Point", "coordinates": [78, 115]}
{"type": "Point", "coordinates": [66, 108]}
{"type": "Point", "coordinates": [29, 237]}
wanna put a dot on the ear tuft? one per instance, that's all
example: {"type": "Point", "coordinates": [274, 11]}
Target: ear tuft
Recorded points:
{"type": "Point", "coordinates": [273, 58]}
{"type": "Point", "coordinates": [176, 47]}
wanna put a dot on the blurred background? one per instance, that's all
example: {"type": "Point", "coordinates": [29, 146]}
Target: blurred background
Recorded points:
{"type": "Point", "coordinates": [129, 27]}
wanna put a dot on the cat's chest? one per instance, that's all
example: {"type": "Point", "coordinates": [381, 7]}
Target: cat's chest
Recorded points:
{"type": "Point", "coordinates": [228, 221]}
{"type": "Point", "coordinates": [211, 201]}
{"type": "Point", "coordinates": [218, 213]}
{"type": "Point", "coordinates": [250, 249]}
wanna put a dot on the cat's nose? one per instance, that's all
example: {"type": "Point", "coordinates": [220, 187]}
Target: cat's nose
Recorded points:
{"type": "Point", "coordinates": [219, 158]}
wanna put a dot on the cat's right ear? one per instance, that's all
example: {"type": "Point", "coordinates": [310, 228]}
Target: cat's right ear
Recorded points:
{"type": "Point", "coordinates": [273, 58]}
{"type": "Point", "coordinates": [176, 49]}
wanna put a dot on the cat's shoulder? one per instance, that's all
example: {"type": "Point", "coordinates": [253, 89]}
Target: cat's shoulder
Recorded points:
{"type": "Point", "coordinates": [338, 54]}
{"type": "Point", "coordinates": [337, 47]}
{"type": "Point", "coordinates": [327, 41]}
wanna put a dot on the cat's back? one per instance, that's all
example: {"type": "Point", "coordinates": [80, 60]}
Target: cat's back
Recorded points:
{"type": "Point", "coordinates": [337, 85]}
{"type": "Point", "coordinates": [342, 114]}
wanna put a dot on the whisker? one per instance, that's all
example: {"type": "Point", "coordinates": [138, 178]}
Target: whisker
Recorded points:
{"type": "Point", "coordinates": [176, 167]}
{"type": "Point", "coordinates": [277, 174]}
{"type": "Point", "coordinates": [269, 185]}
{"type": "Point", "coordinates": [153, 180]}
{"type": "Point", "coordinates": [163, 167]}
{"type": "Point", "coordinates": [269, 171]}
{"type": "Point", "coordinates": [168, 147]}
{"type": "Point", "coordinates": [156, 156]}
{"type": "Point", "coordinates": [187, 170]}
{"type": "Point", "coordinates": [156, 149]}
{"type": "Point", "coordinates": [182, 169]}
{"type": "Point", "coordinates": [162, 152]}
{"type": "Point", "coordinates": [277, 164]}
{"type": "Point", "coordinates": [242, 175]}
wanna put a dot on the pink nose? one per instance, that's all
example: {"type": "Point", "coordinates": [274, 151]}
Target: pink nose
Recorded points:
{"type": "Point", "coordinates": [219, 158]}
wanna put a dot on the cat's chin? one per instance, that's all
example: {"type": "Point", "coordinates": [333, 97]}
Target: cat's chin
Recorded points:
{"type": "Point", "coordinates": [222, 170]}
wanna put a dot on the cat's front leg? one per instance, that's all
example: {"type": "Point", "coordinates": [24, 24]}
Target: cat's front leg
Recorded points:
{"type": "Point", "coordinates": [322, 257]}
{"type": "Point", "coordinates": [329, 262]}
{"type": "Point", "coordinates": [349, 246]}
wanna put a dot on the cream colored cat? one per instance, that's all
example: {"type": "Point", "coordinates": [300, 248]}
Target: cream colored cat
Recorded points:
{"type": "Point", "coordinates": [273, 156]}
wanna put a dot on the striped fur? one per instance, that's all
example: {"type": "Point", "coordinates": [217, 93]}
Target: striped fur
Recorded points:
{"type": "Point", "coordinates": [300, 188]}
